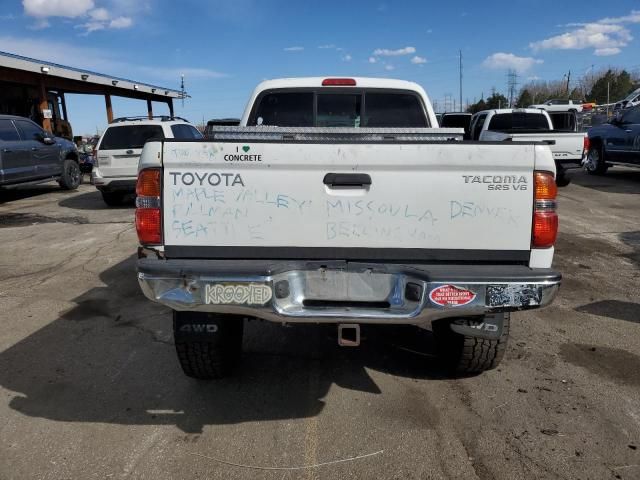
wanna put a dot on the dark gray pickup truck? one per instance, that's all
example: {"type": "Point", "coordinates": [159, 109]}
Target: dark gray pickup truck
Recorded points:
{"type": "Point", "coordinates": [29, 154]}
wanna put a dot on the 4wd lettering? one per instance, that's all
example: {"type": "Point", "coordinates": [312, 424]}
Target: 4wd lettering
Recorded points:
{"type": "Point", "coordinates": [499, 182]}
{"type": "Point", "coordinates": [486, 326]}
{"type": "Point", "coordinates": [199, 328]}
{"type": "Point", "coordinates": [203, 179]}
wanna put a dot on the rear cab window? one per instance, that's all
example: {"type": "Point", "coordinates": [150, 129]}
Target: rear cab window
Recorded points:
{"type": "Point", "coordinates": [455, 121]}
{"type": "Point", "coordinates": [478, 125]}
{"type": "Point", "coordinates": [508, 122]}
{"type": "Point", "coordinates": [185, 132]}
{"type": "Point", "coordinates": [129, 136]}
{"type": "Point", "coordinates": [339, 108]}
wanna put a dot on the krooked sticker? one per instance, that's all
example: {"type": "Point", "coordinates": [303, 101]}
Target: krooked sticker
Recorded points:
{"type": "Point", "coordinates": [450, 295]}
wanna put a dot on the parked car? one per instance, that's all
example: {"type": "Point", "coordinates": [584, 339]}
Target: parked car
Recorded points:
{"type": "Point", "coordinates": [559, 105]}
{"type": "Point", "coordinates": [385, 221]}
{"type": "Point", "coordinates": [457, 120]}
{"type": "Point", "coordinates": [631, 100]}
{"type": "Point", "coordinates": [29, 154]}
{"type": "Point", "coordinates": [116, 155]}
{"type": "Point", "coordinates": [614, 143]}
{"type": "Point", "coordinates": [532, 125]}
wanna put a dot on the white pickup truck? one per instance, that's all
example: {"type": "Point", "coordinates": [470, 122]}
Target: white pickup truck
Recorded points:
{"type": "Point", "coordinates": [532, 125]}
{"type": "Point", "coordinates": [335, 201]}
{"type": "Point", "coordinates": [560, 105]}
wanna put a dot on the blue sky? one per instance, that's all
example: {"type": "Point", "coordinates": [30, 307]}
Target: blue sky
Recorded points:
{"type": "Point", "coordinates": [225, 47]}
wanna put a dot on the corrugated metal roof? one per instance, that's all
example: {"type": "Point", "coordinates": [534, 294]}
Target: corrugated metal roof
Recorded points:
{"type": "Point", "coordinates": [18, 62]}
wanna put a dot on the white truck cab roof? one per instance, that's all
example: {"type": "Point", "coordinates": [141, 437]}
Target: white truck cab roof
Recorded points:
{"type": "Point", "coordinates": [498, 111]}
{"type": "Point", "coordinates": [358, 82]}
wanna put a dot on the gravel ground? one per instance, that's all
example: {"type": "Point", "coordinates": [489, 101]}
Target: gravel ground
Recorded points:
{"type": "Point", "coordinates": [90, 386]}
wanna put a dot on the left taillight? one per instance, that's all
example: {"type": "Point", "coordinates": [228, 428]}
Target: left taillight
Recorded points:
{"type": "Point", "coordinates": [148, 213]}
{"type": "Point", "coordinates": [544, 230]}
{"type": "Point", "coordinates": [586, 144]}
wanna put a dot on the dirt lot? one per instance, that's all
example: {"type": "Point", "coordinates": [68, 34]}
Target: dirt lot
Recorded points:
{"type": "Point", "coordinates": [90, 386]}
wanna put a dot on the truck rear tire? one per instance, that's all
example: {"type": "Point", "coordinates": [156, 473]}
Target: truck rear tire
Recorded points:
{"type": "Point", "coordinates": [208, 345]}
{"type": "Point", "coordinates": [562, 179]}
{"type": "Point", "coordinates": [596, 163]}
{"type": "Point", "coordinates": [465, 355]}
{"type": "Point", "coordinates": [113, 199]}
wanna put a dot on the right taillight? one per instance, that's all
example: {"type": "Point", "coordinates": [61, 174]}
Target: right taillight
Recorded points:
{"type": "Point", "coordinates": [586, 144]}
{"type": "Point", "coordinates": [545, 218]}
{"type": "Point", "coordinates": [148, 216]}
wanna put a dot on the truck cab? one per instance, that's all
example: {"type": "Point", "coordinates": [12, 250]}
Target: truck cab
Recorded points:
{"type": "Point", "coordinates": [615, 143]}
{"type": "Point", "coordinates": [568, 146]}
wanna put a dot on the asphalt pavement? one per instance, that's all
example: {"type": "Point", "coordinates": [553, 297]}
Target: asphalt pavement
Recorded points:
{"type": "Point", "coordinates": [90, 386]}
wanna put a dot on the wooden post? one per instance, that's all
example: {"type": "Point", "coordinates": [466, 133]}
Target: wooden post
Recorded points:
{"type": "Point", "coordinates": [64, 106]}
{"type": "Point", "coordinates": [44, 105]}
{"type": "Point", "coordinates": [170, 103]}
{"type": "Point", "coordinates": [107, 102]}
{"type": "Point", "coordinates": [149, 109]}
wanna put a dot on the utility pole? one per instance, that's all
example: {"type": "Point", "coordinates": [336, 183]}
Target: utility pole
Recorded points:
{"type": "Point", "coordinates": [608, 100]}
{"type": "Point", "coordinates": [512, 82]}
{"type": "Point", "coordinates": [182, 89]}
{"type": "Point", "coordinates": [460, 69]}
{"type": "Point", "coordinates": [568, 80]}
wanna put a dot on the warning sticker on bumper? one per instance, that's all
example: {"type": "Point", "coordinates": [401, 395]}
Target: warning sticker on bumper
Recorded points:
{"type": "Point", "coordinates": [238, 293]}
{"type": "Point", "coordinates": [450, 295]}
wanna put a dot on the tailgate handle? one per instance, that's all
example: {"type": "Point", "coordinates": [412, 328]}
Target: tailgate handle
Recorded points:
{"type": "Point", "coordinates": [549, 142]}
{"type": "Point", "coordinates": [347, 180]}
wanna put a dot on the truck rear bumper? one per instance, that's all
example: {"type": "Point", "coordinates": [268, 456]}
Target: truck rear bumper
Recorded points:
{"type": "Point", "coordinates": [344, 292]}
{"type": "Point", "coordinates": [101, 182]}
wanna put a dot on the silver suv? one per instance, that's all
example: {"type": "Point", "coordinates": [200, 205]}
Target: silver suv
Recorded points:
{"type": "Point", "coordinates": [118, 150]}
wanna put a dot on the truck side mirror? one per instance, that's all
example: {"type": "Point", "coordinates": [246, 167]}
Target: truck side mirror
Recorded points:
{"type": "Point", "coordinates": [45, 138]}
{"type": "Point", "coordinates": [617, 118]}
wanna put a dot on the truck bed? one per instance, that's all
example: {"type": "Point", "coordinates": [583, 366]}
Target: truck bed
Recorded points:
{"type": "Point", "coordinates": [394, 194]}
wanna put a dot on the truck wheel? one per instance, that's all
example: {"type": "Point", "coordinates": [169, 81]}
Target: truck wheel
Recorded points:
{"type": "Point", "coordinates": [463, 354]}
{"type": "Point", "coordinates": [596, 164]}
{"type": "Point", "coordinates": [208, 345]}
{"type": "Point", "coordinates": [562, 179]}
{"type": "Point", "coordinates": [113, 199]}
{"type": "Point", "coordinates": [71, 176]}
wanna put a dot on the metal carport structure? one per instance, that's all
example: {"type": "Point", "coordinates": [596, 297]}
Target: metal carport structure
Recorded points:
{"type": "Point", "coordinates": [44, 78]}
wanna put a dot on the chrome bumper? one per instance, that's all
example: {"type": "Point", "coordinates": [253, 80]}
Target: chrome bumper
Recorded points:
{"type": "Point", "coordinates": [361, 293]}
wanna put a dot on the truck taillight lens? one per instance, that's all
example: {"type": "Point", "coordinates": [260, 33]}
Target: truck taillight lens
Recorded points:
{"type": "Point", "coordinates": [586, 145]}
{"type": "Point", "coordinates": [339, 82]}
{"type": "Point", "coordinates": [148, 214]}
{"type": "Point", "coordinates": [545, 218]}
{"type": "Point", "coordinates": [148, 184]}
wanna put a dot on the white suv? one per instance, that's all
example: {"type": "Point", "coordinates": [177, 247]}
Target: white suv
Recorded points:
{"type": "Point", "coordinates": [118, 150]}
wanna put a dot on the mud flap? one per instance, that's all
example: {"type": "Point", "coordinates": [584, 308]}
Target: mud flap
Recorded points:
{"type": "Point", "coordinates": [488, 327]}
{"type": "Point", "coordinates": [196, 326]}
